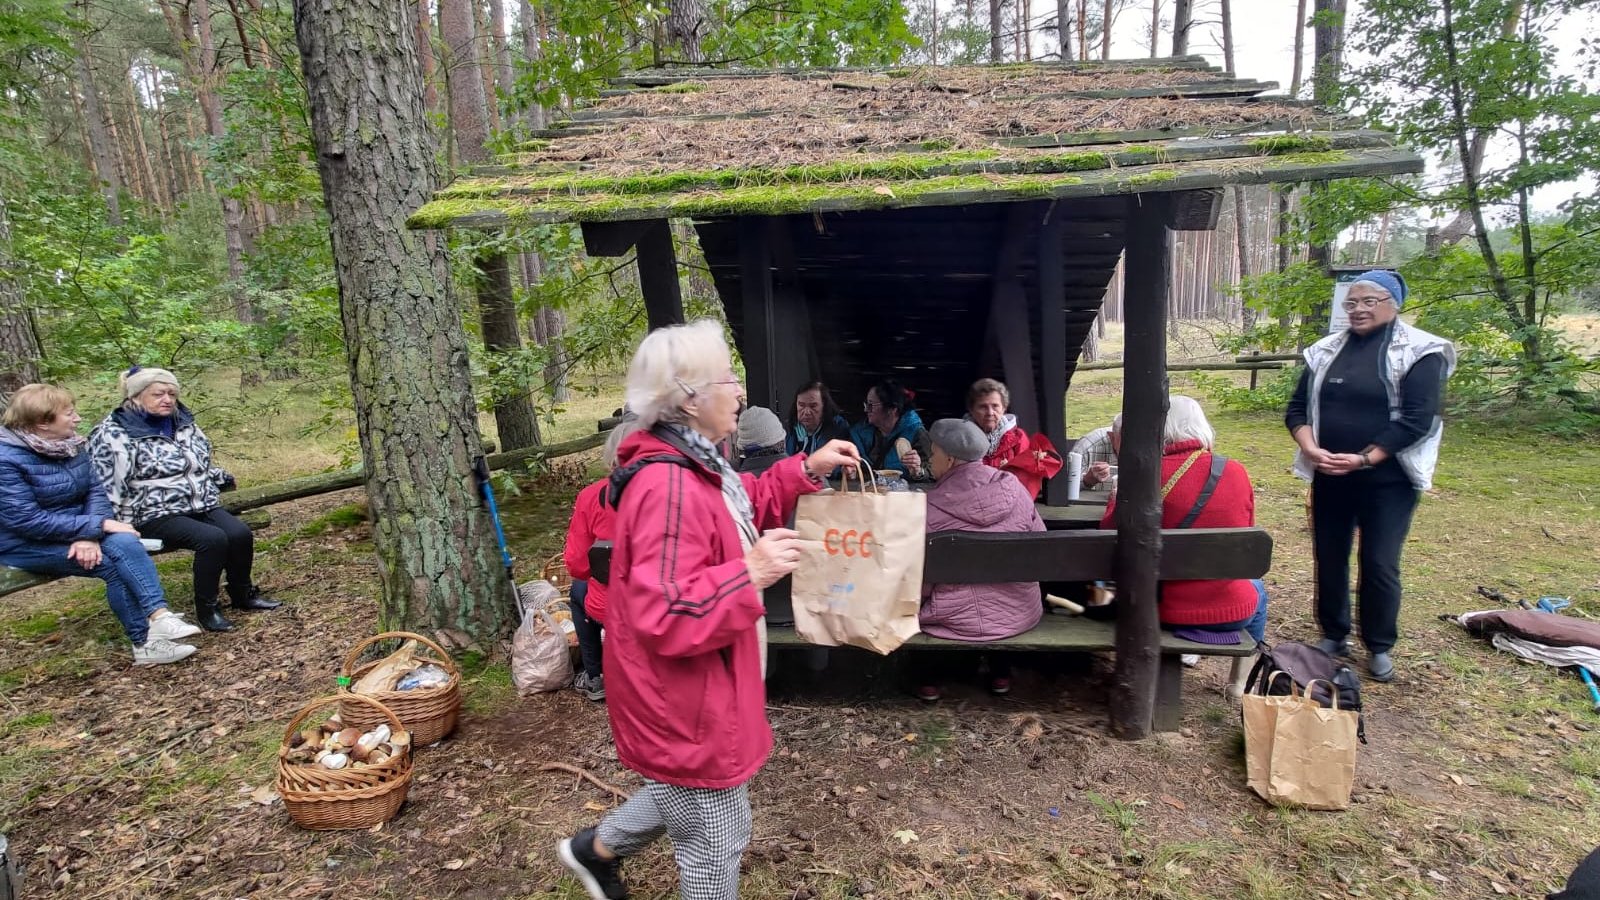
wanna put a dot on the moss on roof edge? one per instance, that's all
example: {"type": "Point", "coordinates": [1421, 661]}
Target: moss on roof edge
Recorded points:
{"type": "Point", "coordinates": [903, 167]}
{"type": "Point", "coordinates": [949, 190]}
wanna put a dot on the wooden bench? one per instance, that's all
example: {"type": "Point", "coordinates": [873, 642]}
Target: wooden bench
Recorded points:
{"type": "Point", "coordinates": [1062, 556]}
{"type": "Point", "coordinates": [14, 580]}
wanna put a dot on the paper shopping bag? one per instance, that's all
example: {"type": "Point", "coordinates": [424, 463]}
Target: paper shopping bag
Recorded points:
{"type": "Point", "coordinates": [860, 582]}
{"type": "Point", "coordinates": [1261, 713]}
{"type": "Point", "coordinates": [1313, 755]}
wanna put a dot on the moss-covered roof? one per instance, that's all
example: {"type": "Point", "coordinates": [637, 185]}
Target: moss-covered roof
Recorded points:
{"type": "Point", "coordinates": [769, 143]}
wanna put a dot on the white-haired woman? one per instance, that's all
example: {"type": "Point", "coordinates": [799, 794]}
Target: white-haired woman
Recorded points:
{"type": "Point", "coordinates": [684, 684]}
{"type": "Point", "coordinates": [155, 463]}
{"type": "Point", "coordinates": [1203, 489]}
{"type": "Point", "coordinates": [1366, 418]}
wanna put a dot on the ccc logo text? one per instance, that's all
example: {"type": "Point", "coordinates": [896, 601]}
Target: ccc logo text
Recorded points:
{"type": "Point", "coordinates": [851, 543]}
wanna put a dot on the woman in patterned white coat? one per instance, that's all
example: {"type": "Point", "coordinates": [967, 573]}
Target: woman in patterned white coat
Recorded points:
{"type": "Point", "coordinates": [155, 464]}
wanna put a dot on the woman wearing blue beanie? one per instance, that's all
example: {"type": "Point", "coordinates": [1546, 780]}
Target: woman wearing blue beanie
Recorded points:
{"type": "Point", "coordinates": [1366, 418]}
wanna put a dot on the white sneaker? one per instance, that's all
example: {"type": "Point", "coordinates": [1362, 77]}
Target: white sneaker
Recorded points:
{"type": "Point", "coordinates": [172, 627]}
{"type": "Point", "coordinates": [160, 651]}
{"type": "Point", "coordinates": [1190, 659]}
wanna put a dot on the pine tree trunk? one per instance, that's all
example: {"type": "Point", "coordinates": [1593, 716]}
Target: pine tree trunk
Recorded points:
{"type": "Point", "coordinates": [1064, 28]}
{"type": "Point", "coordinates": [1299, 50]}
{"type": "Point", "coordinates": [176, 181]}
{"type": "Point", "coordinates": [684, 26]}
{"type": "Point", "coordinates": [1241, 228]}
{"type": "Point", "coordinates": [514, 418]}
{"type": "Point", "coordinates": [422, 22]}
{"type": "Point", "coordinates": [532, 47]}
{"type": "Point", "coordinates": [19, 342]}
{"type": "Point", "coordinates": [997, 47]}
{"type": "Point", "coordinates": [434, 538]}
{"type": "Point", "coordinates": [147, 172]}
{"type": "Point", "coordinates": [1181, 15]}
{"type": "Point", "coordinates": [1155, 28]}
{"type": "Point", "coordinates": [94, 122]}
{"type": "Point", "coordinates": [491, 97]}
{"type": "Point", "coordinates": [1105, 30]}
{"type": "Point", "coordinates": [469, 113]}
{"type": "Point", "coordinates": [1227, 35]}
{"type": "Point", "coordinates": [503, 74]}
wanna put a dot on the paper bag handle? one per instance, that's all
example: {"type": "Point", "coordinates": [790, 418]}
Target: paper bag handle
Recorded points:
{"type": "Point", "coordinates": [1333, 690]}
{"type": "Point", "coordinates": [870, 477]}
{"type": "Point", "coordinates": [1275, 673]}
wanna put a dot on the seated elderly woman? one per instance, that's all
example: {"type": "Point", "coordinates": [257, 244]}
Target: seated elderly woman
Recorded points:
{"type": "Point", "coordinates": [760, 441]}
{"type": "Point", "coordinates": [971, 496]}
{"type": "Point", "coordinates": [1030, 459]}
{"type": "Point", "coordinates": [892, 436]}
{"type": "Point", "coordinates": [55, 520]}
{"type": "Point", "coordinates": [1202, 489]}
{"type": "Point", "coordinates": [155, 464]}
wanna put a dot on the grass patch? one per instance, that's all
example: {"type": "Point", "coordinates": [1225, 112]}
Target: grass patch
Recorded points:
{"type": "Point", "coordinates": [339, 519]}
{"type": "Point", "coordinates": [489, 689]}
{"type": "Point", "coordinates": [1122, 816]}
{"type": "Point", "coordinates": [25, 722]}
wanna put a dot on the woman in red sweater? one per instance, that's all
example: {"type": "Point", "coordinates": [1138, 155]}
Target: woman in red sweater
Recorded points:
{"type": "Point", "coordinates": [592, 520]}
{"type": "Point", "coordinates": [1211, 612]}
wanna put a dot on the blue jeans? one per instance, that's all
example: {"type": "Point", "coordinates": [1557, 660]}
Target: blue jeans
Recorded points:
{"type": "Point", "coordinates": [588, 630]}
{"type": "Point", "coordinates": [133, 589]}
{"type": "Point", "coordinates": [1257, 626]}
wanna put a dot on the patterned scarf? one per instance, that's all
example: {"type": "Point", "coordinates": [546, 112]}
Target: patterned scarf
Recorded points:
{"type": "Point", "coordinates": [1007, 422]}
{"type": "Point", "coordinates": [63, 448]}
{"type": "Point", "coordinates": [733, 493]}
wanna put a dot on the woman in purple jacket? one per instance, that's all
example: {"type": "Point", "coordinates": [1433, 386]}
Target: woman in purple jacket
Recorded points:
{"type": "Point", "coordinates": [971, 496]}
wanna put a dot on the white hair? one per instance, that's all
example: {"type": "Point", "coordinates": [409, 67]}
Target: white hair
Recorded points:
{"type": "Point", "coordinates": [619, 433]}
{"type": "Point", "coordinates": [1116, 422]}
{"type": "Point", "coordinates": [673, 364]}
{"type": "Point", "coordinates": [1186, 421]}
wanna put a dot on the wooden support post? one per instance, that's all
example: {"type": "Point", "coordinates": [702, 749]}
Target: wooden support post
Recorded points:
{"type": "Point", "coordinates": [611, 238]}
{"type": "Point", "coordinates": [1008, 316]}
{"type": "Point", "coordinates": [1053, 359]}
{"type": "Point", "coordinates": [1144, 412]}
{"type": "Point", "coordinates": [795, 361]}
{"type": "Point", "coordinates": [658, 275]}
{"type": "Point", "coordinates": [758, 344]}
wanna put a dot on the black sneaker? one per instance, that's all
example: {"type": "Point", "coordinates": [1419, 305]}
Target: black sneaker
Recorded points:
{"type": "Point", "coordinates": [602, 878]}
{"type": "Point", "coordinates": [595, 689]}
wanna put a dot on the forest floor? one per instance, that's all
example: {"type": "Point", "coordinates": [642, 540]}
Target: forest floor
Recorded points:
{"type": "Point", "coordinates": [1482, 777]}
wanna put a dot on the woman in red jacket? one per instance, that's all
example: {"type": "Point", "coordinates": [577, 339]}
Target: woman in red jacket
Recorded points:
{"type": "Point", "coordinates": [592, 520]}
{"type": "Point", "coordinates": [1211, 612]}
{"type": "Point", "coordinates": [682, 658]}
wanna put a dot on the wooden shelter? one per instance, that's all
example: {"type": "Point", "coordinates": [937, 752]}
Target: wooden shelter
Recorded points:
{"type": "Point", "coordinates": [932, 224]}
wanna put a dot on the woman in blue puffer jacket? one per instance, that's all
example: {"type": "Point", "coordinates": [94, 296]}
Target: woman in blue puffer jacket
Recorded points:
{"type": "Point", "coordinates": [892, 436]}
{"type": "Point", "coordinates": [55, 520]}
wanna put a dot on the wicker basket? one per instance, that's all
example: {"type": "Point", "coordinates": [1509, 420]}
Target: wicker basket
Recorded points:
{"type": "Point", "coordinates": [555, 572]}
{"type": "Point", "coordinates": [428, 713]}
{"type": "Point", "coordinates": [335, 799]}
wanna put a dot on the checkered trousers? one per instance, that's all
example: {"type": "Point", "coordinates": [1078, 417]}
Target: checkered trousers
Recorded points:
{"type": "Point", "coordinates": [709, 831]}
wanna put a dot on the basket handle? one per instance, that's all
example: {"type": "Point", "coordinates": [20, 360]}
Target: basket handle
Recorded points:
{"type": "Point", "coordinates": [334, 700]}
{"type": "Point", "coordinates": [349, 667]}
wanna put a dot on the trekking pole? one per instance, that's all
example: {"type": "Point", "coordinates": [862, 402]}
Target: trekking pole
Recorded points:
{"type": "Point", "coordinates": [480, 471]}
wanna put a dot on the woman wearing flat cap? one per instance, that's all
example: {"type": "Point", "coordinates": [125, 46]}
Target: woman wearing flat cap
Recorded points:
{"type": "Point", "coordinates": [972, 496]}
{"type": "Point", "coordinates": [155, 464]}
{"type": "Point", "coordinates": [1366, 418]}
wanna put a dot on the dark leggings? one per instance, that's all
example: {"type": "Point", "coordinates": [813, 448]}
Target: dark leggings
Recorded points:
{"type": "Point", "coordinates": [220, 543]}
{"type": "Point", "coordinates": [588, 629]}
{"type": "Point", "coordinates": [1382, 510]}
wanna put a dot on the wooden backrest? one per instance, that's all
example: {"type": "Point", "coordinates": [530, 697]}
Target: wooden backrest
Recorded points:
{"type": "Point", "coordinates": [959, 557]}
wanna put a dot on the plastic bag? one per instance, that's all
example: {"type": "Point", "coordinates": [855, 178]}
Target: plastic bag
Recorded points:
{"type": "Point", "coordinates": [540, 657]}
{"type": "Point", "coordinates": [427, 676]}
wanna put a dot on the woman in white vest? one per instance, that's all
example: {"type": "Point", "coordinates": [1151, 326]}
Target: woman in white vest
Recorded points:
{"type": "Point", "coordinates": [1366, 417]}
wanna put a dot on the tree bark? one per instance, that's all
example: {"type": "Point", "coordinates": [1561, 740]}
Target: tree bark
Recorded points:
{"type": "Point", "coordinates": [1106, 19]}
{"type": "Point", "coordinates": [141, 149]}
{"type": "Point", "coordinates": [685, 26]}
{"type": "Point", "coordinates": [1181, 15]}
{"type": "Point", "coordinates": [1064, 28]}
{"type": "Point", "coordinates": [514, 417]}
{"type": "Point", "coordinates": [1299, 50]}
{"type": "Point", "coordinates": [997, 47]}
{"type": "Point", "coordinates": [403, 334]}
{"type": "Point", "coordinates": [532, 47]}
{"type": "Point", "coordinates": [1155, 28]}
{"type": "Point", "coordinates": [19, 342]}
{"type": "Point", "coordinates": [469, 113]}
{"type": "Point", "coordinates": [422, 23]}
{"type": "Point", "coordinates": [503, 74]}
{"type": "Point", "coordinates": [1241, 230]}
{"type": "Point", "coordinates": [1227, 35]}
{"type": "Point", "coordinates": [485, 51]}
{"type": "Point", "coordinates": [94, 122]}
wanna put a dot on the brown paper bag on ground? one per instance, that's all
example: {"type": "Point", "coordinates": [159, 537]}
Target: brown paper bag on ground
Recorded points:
{"type": "Point", "coordinates": [1313, 756]}
{"type": "Point", "coordinates": [860, 582]}
{"type": "Point", "coordinates": [1260, 724]}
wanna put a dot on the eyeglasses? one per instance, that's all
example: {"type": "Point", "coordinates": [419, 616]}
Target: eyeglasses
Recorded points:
{"type": "Point", "coordinates": [1364, 303]}
{"type": "Point", "coordinates": [869, 406]}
